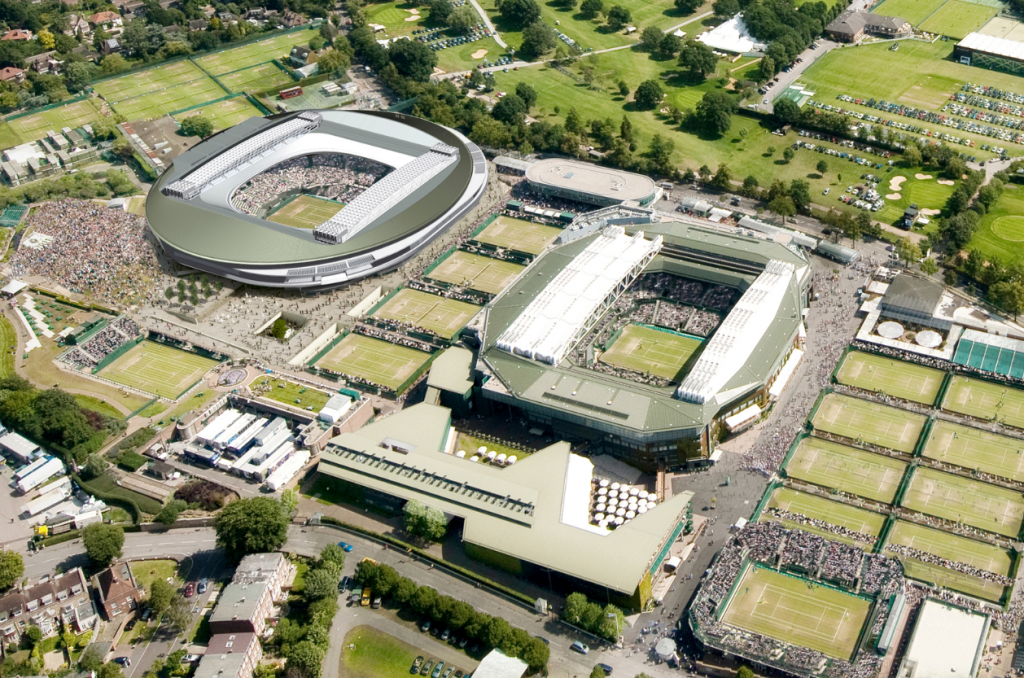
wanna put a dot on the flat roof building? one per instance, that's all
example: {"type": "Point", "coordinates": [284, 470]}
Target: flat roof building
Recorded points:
{"type": "Point", "coordinates": [589, 183]}
{"type": "Point", "coordinates": [947, 642]}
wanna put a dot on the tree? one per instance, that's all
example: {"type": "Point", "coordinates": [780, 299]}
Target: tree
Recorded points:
{"type": "Point", "coordinates": [463, 18]}
{"type": "Point", "coordinates": [77, 75]}
{"type": "Point", "coordinates": [783, 206]}
{"type": "Point", "coordinates": [196, 126]}
{"type": "Point", "coordinates": [1009, 295]}
{"type": "Point", "coordinates": [525, 91]}
{"type": "Point", "coordinates": [955, 169]}
{"type": "Point", "coordinates": [907, 250]}
{"type": "Point", "coordinates": [660, 153]}
{"type": "Point", "coordinates": [698, 58]}
{"type": "Point", "coordinates": [489, 132]}
{"type": "Point", "coordinates": [169, 513]}
{"type": "Point", "coordinates": [618, 16]}
{"type": "Point", "coordinates": [688, 6]}
{"type": "Point", "coordinates": [435, 525]}
{"type": "Point", "coordinates": [591, 8]}
{"type": "Point", "coordinates": [161, 594]}
{"type": "Point", "coordinates": [714, 112]}
{"type": "Point", "coordinates": [670, 45]}
{"type": "Point", "coordinates": [575, 604]}
{"type": "Point", "coordinates": [11, 569]}
{"type": "Point", "coordinates": [290, 501]}
{"type": "Point", "coordinates": [519, 13]}
{"type": "Point", "coordinates": [536, 654]}
{"type": "Point", "coordinates": [113, 63]}
{"type": "Point", "coordinates": [766, 69]}
{"type": "Point", "coordinates": [46, 39]}
{"type": "Point", "coordinates": [321, 583]}
{"type": "Point", "coordinates": [929, 267]}
{"type": "Point", "coordinates": [626, 129]}
{"type": "Point", "coordinates": [912, 156]}
{"type": "Point", "coordinates": [333, 63]}
{"type": "Point", "coordinates": [307, 657]}
{"type": "Point", "coordinates": [786, 110]}
{"type": "Point", "coordinates": [573, 124]}
{"type": "Point", "coordinates": [800, 192]}
{"type": "Point", "coordinates": [648, 95]}
{"type": "Point", "coordinates": [726, 8]}
{"type": "Point", "coordinates": [788, 153]}
{"type": "Point", "coordinates": [510, 110]}
{"type": "Point", "coordinates": [279, 329]}
{"type": "Point", "coordinates": [822, 167]}
{"type": "Point", "coordinates": [423, 600]}
{"type": "Point", "coordinates": [405, 590]}
{"type": "Point", "coordinates": [255, 525]}
{"type": "Point", "coordinates": [650, 39]}
{"type": "Point", "coordinates": [413, 59]}
{"type": "Point", "coordinates": [496, 632]}
{"type": "Point", "coordinates": [439, 11]}
{"type": "Point", "coordinates": [34, 634]}
{"type": "Point", "coordinates": [179, 613]}
{"type": "Point", "coordinates": [597, 672]}
{"type": "Point", "coordinates": [745, 672]}
{"type": "Point", "coordinates": [332, 555]}
{"type": "Point", "coordinates": [103, 543]}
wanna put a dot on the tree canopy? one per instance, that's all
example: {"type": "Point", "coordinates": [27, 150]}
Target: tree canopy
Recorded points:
{"type": "Point", "coordinates": [11, 569]}
{"type": "Point", "coordinates": [520, 13]}
{"type": "Point", "coordinates": [103, 543]}
{"type": "Point", "coordinates": [254, 525]}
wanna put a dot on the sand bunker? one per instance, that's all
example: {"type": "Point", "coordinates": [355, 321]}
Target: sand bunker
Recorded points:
{"type": "Point", "coordinates": [922, 177]}
{"type": "Point", "coordinates": [415, 15]}
{"type": "Point", "coordinates": [893, 196]}
{"type": "Point", "coordinates": [946, 182]}
{"type": "Point", "coordinates": [896, 182]}
{"type": "Point", "coordinates": [480, 54]}
{"type": "Point", "coordinates": [928, 212]}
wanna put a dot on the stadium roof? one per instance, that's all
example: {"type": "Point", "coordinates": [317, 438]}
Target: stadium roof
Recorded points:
{"type": "Point", "coordinates": [990, 44]}
{"type": "Point", "coordinates": [587, 177]}
{"type": "Point", "coordinates": [553, 534]}
{"type": "Point", "coordinates": [913, 293]}
{"type": "Point", "coordinates": [947, 642]}
{"type": "Point", "coordinates": [983, 351]}
{"type": "Point", "coordinates": [452, 370]}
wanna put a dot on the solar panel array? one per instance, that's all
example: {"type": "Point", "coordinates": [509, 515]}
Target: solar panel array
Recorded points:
{"type": "Point", "coordinates": [385, 194]}
{"type": "Point", "coordinates": [232, 158]}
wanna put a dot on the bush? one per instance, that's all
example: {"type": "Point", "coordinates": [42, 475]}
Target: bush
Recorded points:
{"type": "Point", "coordinates": [131, 461]}
{"type": "Point", "coordinates": [209, 496]}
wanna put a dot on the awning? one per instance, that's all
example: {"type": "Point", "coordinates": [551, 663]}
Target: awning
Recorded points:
{"type": "Point", "coordinates": [740, 523]}
{"type": "Point", "coordinates": [14, 287]}
{"type": "Point", "coordinates": [787, 371]}
{"type": "Point", "coordinates": [743, 417]}
{"type": "Point", "coordinates": [715, 456]}
{"type": "Point", "coordinates": [673, 563]}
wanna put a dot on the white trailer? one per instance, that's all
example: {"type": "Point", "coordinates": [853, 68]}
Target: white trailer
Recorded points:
{"type": "Point", "coordinates": [232, 431]}
{"type": "Point", "coordinates": [286, 471]}
{"type": "Point", "coordinates": [217, 426]}
{"type": "Point", "coordinates": [46, 501]}
{"type": "Point", "coordinates": [40, 475]}
{"type": "Point", "coordinates": [260, 473]}
{"type": "Point", "coordinates": [32, 467]}
{"type": "Point", "coordinates": [246, 436]}
{"type": "Point", "coordinates": [63, 481]}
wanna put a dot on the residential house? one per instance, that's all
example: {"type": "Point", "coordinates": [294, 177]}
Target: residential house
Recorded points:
{"type": "Point", "coordinates": [174, 32]}
{"type": "Point", "coordinates": [300, 55]}
{"type": "Point", "coordinates": [78, 27]}
{"type": "Point", "coordinates": [111, 22]}
{"type": "Point", "coordinates": [12, 73]}
{"type": "Point", "coordinates": [227, 18]}
{"type": "Point", "coordinates": [117, 590]}
{"type": "Point", "coordinates": [290, 19]}
{"type": "Point", "coordinates": [86, 52]}
{"type": "Point", "coordinates": [230, 655]}
{"type": "Point", "coordinates": [44, 63]}
{"type": "Point", "coordinates": [198, 25]}
{"type": "Point", "coordinates": [64, 598]}
{"type": "Point", "coordinates": [852, 26]}
{"type": "Point", "coordinates": [245, 604]}
{"type": "Point", "coordinates": [256, 13]}
{"type": "Point", "coordinates": [110, 46]}
{"type": "Point", "coordinates": [17, 34]}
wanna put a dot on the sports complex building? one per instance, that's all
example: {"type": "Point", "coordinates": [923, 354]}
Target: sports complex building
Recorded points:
{"type": "Point", "coordinates": [648, 340]}
{"type": "Point", "coordinates": [314, 199]}
{"type": "Point", "coordinates": [589, 183]}
{"type": "Point", "coordinates": [998, 45]}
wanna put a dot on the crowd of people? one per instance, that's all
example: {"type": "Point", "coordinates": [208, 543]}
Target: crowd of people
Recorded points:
{"type": "Point", "coordinates": [803, 550]}
{"type": "Point", "coordinates": [964, 568]}
{"type": "Point", "coordinates": [818, 524]}
{"type": "Point", "coordinates": [457, 293]}
{"type": "Point", "coordinates": [335, 176]}
{"type": "Point", "coordinates": [95, 250]}
{"type": "Point", "coordinates": [842, 562]}
{"type": "Point", "coordinates": [112, 337]}
{"type": "Point", "coordinates": [394, 338]}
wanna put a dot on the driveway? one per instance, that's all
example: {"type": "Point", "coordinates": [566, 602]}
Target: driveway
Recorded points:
{"type": "Point", "coordinates": [809, 56]}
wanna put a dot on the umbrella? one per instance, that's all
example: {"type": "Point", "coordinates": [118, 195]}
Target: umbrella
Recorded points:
{"type": "Point", "coordinates": [460, 454]}
{"type": "Point", "coordinates": [613, 502]}
{"type": "Point", "coordinates": [501, 458]}
{"type": "Point", "coordinates": [644, 494]}
{"type": "Point", "coordinates": [633, 491]}
{"type": "Point", "coordinates": [615, 486]}
{"type": "Point", "coordinates": [620, 512]}
{"type": "Point", "coordinates": [641, 509]}
{"type": "Point", "coordinates": [481, 449]}
{"type": "Point", "coordinates": [600, 507]}
{"type": "Point", "coordinates": [619, 521]}
{"type": "Point", "coordinates": [491, 455]}
{"type": "Point", "coordinates": [604, 482]}
{"type": "Point", "coordinates": [474, 458]}
{"type": "Point", "coordinates": [511, 459]}
{"type": "Point", "coordinates": [603, 523]}
{"type": "Point", "coordinates": [651, 503]}
{"type": "Point", "coordinates": [602, 491]}
{"type": "Point", "coordinates": [598, 517]}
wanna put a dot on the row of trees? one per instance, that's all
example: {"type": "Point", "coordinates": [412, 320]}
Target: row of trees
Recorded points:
{"type": "Point", "coordinates": [459, 616]}
{"type": "Point", "coordinates": [606, 621]}
{"type": "Point", "coordinates": [422, 521]}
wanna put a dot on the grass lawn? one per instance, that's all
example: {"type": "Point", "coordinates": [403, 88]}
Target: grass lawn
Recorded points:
{"type": "Point", "coordinates": [470, 444]}
{"type": "Point", "coordinates": [957, 18]}
{"type": "Point", "coordinates": [1000, 233]}
{"type": "Point", "coordinates": [306, 212]}
{"type": "Point", "coordinates": [797, 611]}
{"type": "Point", "coordinates": [254, 53]}
{"type": "Point", "coordinates": [976, 449]}
{"type": "Point", "coordinates": [832, 465]}
{"type": "Point", "coordinates": [652, 351]}
{"type": "Point", "coordinates": [460, 57]}
{"type": "Point", "coordinates": [869, 422]}
{"type": "Point", "coordinates": [224, 114]}
{"type": "Point", "coordinates": [8, 346]}
{"type": "Point", "coordinates": [172, 99]}
{"type": "Point", "coordinates": [148, 571]}
{"type": "Point", "coordinates": [444, 317]}
{"type": "Point", "coordinates": [914, 11]}
{"type": "Point", "coordinates": [518, 234]}
{"type": "Point", "coordinates": [378, 361]}
{"type": "Point", "coordinates": [158, 368]}
{"type": "Point", "coordinates": [299, 584]}
{"type": "Point", "coordinates": [392, 15]}
{"type": "Point", "coordinates": [833, 512]}
{"type": "Point", "coordinates": [34, 126]}
{"type": "Point", "coordinates": [892, 377]}
{"type": "Point", "coordinates": [193, 402]}
{"type": "Point", "coordinates": [256, 78]}
{"type": "Point", "coordinates": [107, 485]}
{"type": "Point", "coordinates": [985, 400]}
{"type": "Point", "coordinates": [925, 193]}
{"type": "Point", "coordinates": [153, 79]}
{"type": "Point", "coordinates": [478, 272]}
{"type": "Point", "coordinates": [370, 653]}
{"type": "Point", "coordinates": [97, 405]}
{"type": "Point", "coordinates": [293, 394]}
{"type": "Point", "coordinates": [972, 502]}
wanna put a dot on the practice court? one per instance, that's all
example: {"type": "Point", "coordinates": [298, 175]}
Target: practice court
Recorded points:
{"type": "Point", "coordinates": [985, 400]}
{"type": "Point", "coordinates": [893, 377]}
{"type": "Point", "coordinates": [976, 449]}
{"type": "Point", "coordinates": [443, 317]}
{"type": "Point", "coordinates": [965, 500]}
{"type": "Point", "coordinates": [159, 369]}
{"type": "Point", "coordinates": [869, 422]}
{"type": "Point", "coordinates": [848, 469]}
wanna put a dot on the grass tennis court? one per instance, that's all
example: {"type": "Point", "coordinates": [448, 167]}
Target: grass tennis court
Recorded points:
{"type": "Point", "coordinates": [973, 448]}
{"type": "Point", "coordinates": [477, 272]}
{"type": "Point", "coordinates": [375, 360]}
{"type": "Point", "coordinates": [650, 351]}
{"type": "Point", "coordinates": [224, 114]}
{"type": "Point", "coordinates": [254, 53]}
{"type": "Point", "coordinates": [142, 82]}
{"type": "Point", "coordinates": [952, 547]}
{"type": "Point", "coordinates": [306, 211]}
{"type": "Point", "coordinates": [256, 78]}
{"type": "Point", "coordinates": [518, 234]}
{"type": "Point", "coordinates": [985, 400]}
{"type": "Point", "coordinates": [869, 422]}
{"type": "Point", "coordinates": [798, 612]}
{"type": "Point", "coordinates": [832, 465]}
{"type": "Point", "coordinates": [833, 512]}
{"type": "Point", "coordinates": [957, 18]}
{"type": "Point", "coordinates": [914, 11]}
{"type": "Point", "coordinates": [972, 502]}
{"type": "Point", "coordinates": [158, 368]}
{"type": "Point", "coordinates": [444, 317]}
{"type": "Point", "coordinates": [35, 126]}
{"type": "Point", "coordinates": [290, 393]}
{"type": "Point", "coordinates": [162, 102]}
{"type": "Point", "coordinates": [893, 377]}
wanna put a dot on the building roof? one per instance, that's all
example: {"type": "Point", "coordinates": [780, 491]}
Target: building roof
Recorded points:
{"type": "Point", "coordinates": [512, 163]}
{"type": "Point", "coordinates": [910, 292]}
{"type": "Point", "coordinates": [104, 17]}
{"type": "Point", "coordinates": [947, 642]}
{"type": "Point", "coordinates": [14, 287]}
{"type": "Point", "coordinates": [535, 510]}
{"type": "Point", "coordinates": [115, 581]}
{"type": "Point", "coordinates": [258, 567]}
{"type": "Point", "coordinates": [852, 23]}
{"type": "Point", "coordinates": [731, 36]}
{"type": "Point", "coordinates": [229, 643]}
{"type": "Point", "coordinates": [585, 177]}
{"type": "Point", "coordinates": [17, 34]}
{"type": "Point", "coordinates": [55, 589]}
{"type": "Point", "coordinates": [452, 370]}
{"type": "Point", "coordinates": [991, 44]}
{"type": "Point", "coordinates": [17, 444]}
{"type": "Point", "coordinates": [10, 72]}
{"type": "Point", "coordinates": [238, 601]}
{"type": "Point", "coordinates": [220, 665]}
{"type": "Point", "coordinates": [499, 665]}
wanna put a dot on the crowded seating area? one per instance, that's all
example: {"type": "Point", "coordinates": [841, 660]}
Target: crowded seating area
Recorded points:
{"type": "Point", "coordinates": [103, 343]}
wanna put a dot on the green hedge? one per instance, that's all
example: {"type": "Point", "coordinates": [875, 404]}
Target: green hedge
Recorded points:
{"type": "Point", "coordinates": [131, 461]}
{"type": "Point", "coordinates": [60, 538]}
{"type": "Point", "coordinates": [68, 302]}
{"type": "Point", "coordinates": [118, 498]}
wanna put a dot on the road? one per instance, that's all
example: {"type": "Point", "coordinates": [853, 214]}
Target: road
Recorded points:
{"type": "Point", "coordinates": [809, 56]}
{"type": "Point", "coordinates": [487, 22]}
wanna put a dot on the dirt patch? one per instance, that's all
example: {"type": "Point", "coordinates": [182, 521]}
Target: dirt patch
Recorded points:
{"type": "Point", "coordinates": [946, 182]}
{"type": "Point", "coordinates": [896, 182]}
{"type": "Point", "coordinates": [893, 196]}
{"type": "Point", "coordinates": [479, 54]}
{"type": "Point", "coordinates": [928, 212]}
{"type": "Point", "coordinates": [438, 71]}
{"type": "Point", "coordinates": [923, 177]}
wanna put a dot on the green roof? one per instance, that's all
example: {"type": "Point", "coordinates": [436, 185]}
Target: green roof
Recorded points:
{"type": "Point", "coordinates": [452, 370]}
{"type": "Point", "coordinates": [517, 510]}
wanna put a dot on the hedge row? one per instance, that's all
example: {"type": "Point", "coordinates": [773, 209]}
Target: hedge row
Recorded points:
{"type": "Point", "coordinates": [112, 499]}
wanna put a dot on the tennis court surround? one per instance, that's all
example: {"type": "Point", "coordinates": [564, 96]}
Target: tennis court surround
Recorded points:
{"type": "Point", "coordinates": [972, 502]}
{"type": "Point", "coordinates": [254, 53]}
{"type": "Point", "coordinates": [306, 212]}
{"type": "Point", "coordinates": [380, 362]}
{"type": "Point", "coordinates": [869, 422]}
{"type": "Point", "coordinates": [985, 400]}
{"type": "Point", "coordinates": [832, 512]}
{"type": "Point", "coordinates": [893, 377]}
{"type": "Point", "coordinates": [477, 272]}
{"type": "Point", "coordinates": [158, 368]}
{"type": "Point", "coordinates": [848, 469]}
{"type": "Point", "coordinates": [976, 449]}
{"type": "Point", "coordinates": [518, 234]}
{"type": "Point", "coordinates": [444, 317]}
{"type": "Point", "coordinates": [651, 351]}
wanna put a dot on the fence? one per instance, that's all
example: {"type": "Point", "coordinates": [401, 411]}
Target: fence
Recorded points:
{"type": "Point", "coordinates": [326, 349]}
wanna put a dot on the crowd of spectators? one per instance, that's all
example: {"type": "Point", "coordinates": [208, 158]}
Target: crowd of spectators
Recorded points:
{"type": "Point", "coordinates": [395, 338]}
{"type": "Point", "coordinates": [821, 525]}
{"type": "Point", "coordinates": [95, 250]}
{"type": "Point", "coordinates": [112, 337]}
{"type": "Point", "coordinates": [842, 562]}
{"type": "Point", "coordinates": [702, 323]}
{"type": "Point", "coordinates": [963, 568]}
{"type": "Point", "coordinates": [803, 550]}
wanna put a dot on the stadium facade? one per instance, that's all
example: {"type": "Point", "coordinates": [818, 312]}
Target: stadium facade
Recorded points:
{"type": "Point", "coordinates": [408, 180]}
{"type": "Point", "coordinates": [531, 359]}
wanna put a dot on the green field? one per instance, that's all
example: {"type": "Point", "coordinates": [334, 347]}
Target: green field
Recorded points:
{"type": "Point", "coordinates": [833, 512]}
{"type": "Point", "coordinates": [224, 114]}
{"type": "Point", "coordinates": [971, 502]}
{"type": "Point", "coordinates": [460, 57]}
{"type": "Point", "coordinates": [893, 377]}
{"type": "Point", "coordinates": [291, 393]}
{"type": "Point", "coordinates": [1000, 233]}
{"type": "Point", "coordinates": [650, 351]}
{"type": "Point", "coordinates": [370, 653]}
{"type": "Point", "coordinates": [914, 11]}
{"type": "Point", "coordinates": [957, 18]}
{"type": "Point", "coordinates": [35, 126]}
{"type": "Point", "coordinates": [925, 193]}
{"type": "Point", "coordinates": [254, 53]}
{"type": "Point", "coordinates": [375, 360]}
{"type": "Point", "coordinates": [443, 317]}
{"type": "Point", "coordinates": [158, 368]}
{"type": "Point", "coordinates": [798, 612]}
{"type": "Point", "coordinates": [985, 400]}
{"type": "Point", "coordinates": [518, 234]}
{"type": "Point", "coordinates": [150, 80]}
{"type": "Point", "coordinates": [869, 422]}
{"type": "Point", "coordinates": [162, 102]}
{"type": "Point", "coordinates": [848, 469]}
{"type": "Point", "coordinates": [305, 211]}
{"type": "Point", "coordinates": [976, 449]}
{"type": "Point", "coordinates": [255, 79]}
{"type": "Point", "coordinates": [477, 272]}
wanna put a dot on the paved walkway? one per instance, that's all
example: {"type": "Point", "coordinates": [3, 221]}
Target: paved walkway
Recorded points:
{"type": "Point", "coordinates": [487, 22]}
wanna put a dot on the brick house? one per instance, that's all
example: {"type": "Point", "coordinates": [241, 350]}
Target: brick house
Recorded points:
{"type": "Point", "coordinates": [46, 604]}
{"type": "Point", "coordinates": [117, 590]}
{"type": "Point", "coordinates": [230, 655]}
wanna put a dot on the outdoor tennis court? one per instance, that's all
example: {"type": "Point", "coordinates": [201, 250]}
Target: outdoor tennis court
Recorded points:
{"type": "Point", "coordinates": [518, 234]}
{"type": "Point", "coordinates": [162, 102]}
{"type": "Point", "coordinates": [957, 18]}
{"type": "Point", "coordinates": [224, 114]}
{"type": "Point", "coordinates": [256, 78]}
{"type": "Point", "coordinates": [848, 469]}
{"type": "Point", "coordinates": [306, 211]}
{"type": "Point", "coordinates": [985, 400]}
{"type": "Point", "coordinates": [892, 377]}
{"type": "Point", "coordinates": [476, 272]}
{"type": "Point", "coordinates": [798, 612]}
{"type": "Point", "coordinates": [35, 126]}
{"type": "Point", "coordinates": [651, 351]}
{"type": "Point", "coordinates": [152, 79]}
{"type": "Point", "coordinates": [380, 362]}
{"type": "Point", "coordinates": [254, 53]}
{"type": "Point", "coordinates": [972, 502]}
{"type": "Point", "coordinates": [973, 448]}
{"type": "Point", "coordinates": [832, 512]}
{"type": "Point", "coordinates": [157, 368]}
{"type": "Point", "coordinates": [443, 317]}
{"type": "Point", "coordinates": [869, 422]}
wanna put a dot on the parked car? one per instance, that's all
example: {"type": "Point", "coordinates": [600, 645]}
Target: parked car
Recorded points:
{"type": "Point", "coordinates": [345, 547]}
{"type": "Point", "coordinates": [203, 583]}
{"type": "Point", "coordinates": [446, 635]}
{"type": "Point", "coordinates": [146, 614]}
{"type": "Point", "coordinates": [436, 673]}
{"type": "Point", "coordinates": [463, 642]}
{"type": "Point", "coordinates": [130, 625]}
{"type": "Point", "coordinates": [190, 590]}
{"type": "Point", "coordinates": [425, 626]}
{"type": "Point", "coordinates": [191, 658]}
{"type": "Point", "coordinates": [365, 600]}
{"type": "Point", "coordinates": [449, 672]}
{"type": "Point", "coordinates": [606, 668]}
{"type": "Point", "coordinates": [123, 661]}
{"type": "Point", "coordinates": [416, 665]}
{"type": "Point", "coordinates": [376, 602]}
{"type": "Point", "coordinates": [426, 667]}
{"type": "Point", "coordinates": [580, 647]}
